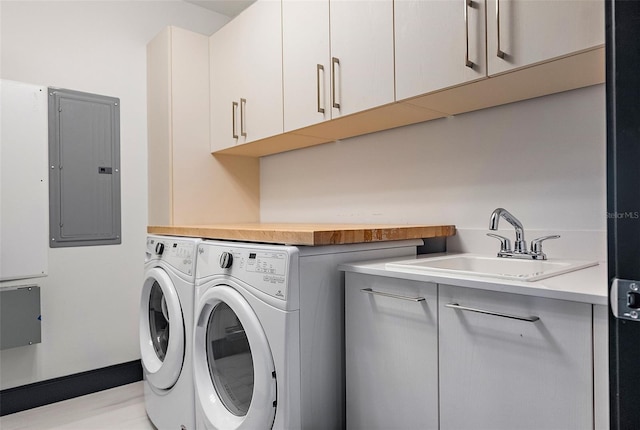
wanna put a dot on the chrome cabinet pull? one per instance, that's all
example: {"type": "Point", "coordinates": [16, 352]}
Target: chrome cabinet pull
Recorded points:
{"type": "Point", "coordinates": [499, 52]}
{"type": "Point", "coordinates": [497, 314]}
{"type": "Point", "coordinates": [243, 131]}
{"type": "Point", "coordinates": [467, 5]}
{"type": "Point", "coordinates": [234, 109]}
{"type": "Point", "coordinates": [318, 69]}
{"type": "Point", "coordinates": [334, 61]}
{"type": "Point", "coordinates": [395, 296]}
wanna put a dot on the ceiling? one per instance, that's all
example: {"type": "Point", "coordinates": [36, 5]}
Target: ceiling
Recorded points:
{"type": "Point", "coordinates": [230, 8]}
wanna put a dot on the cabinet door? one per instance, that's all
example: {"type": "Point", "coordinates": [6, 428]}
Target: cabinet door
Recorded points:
{"type": "Point", "coordinates": [246, 77]}
{"type": "Point", "coordinates": [227, 78]}
{"type": "Point", "coordinates": [391, 353]}
{"type": "Point", "coordinates": [502, 373]}
{"type": "Point", "coordinates": [362, 42]}
{"type": "Point", "coordinates": [260, 29]}
{"type": "Point", "coordinates": [532, 31]}
{"type": "Point", "coordinates": [438, 44]}
{"type": "Point", "coordinates": [306, 62]}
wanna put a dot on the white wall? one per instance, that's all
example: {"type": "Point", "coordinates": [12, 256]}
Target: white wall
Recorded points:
{"type": "Point", "coordinates": [90, 299]}
{"type": "Point", "coordinates": [542, 159]}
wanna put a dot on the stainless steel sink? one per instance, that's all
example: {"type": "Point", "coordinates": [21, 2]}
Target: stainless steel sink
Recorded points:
{"type": "Point", "coordinates": [494, 267]}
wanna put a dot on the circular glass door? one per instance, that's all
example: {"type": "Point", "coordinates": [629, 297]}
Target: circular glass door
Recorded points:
{"type": "Point", "coordinates": [162, 330]}
{"type": "Point", "coordinates": [229, 358]}
{"type": "Point", "coordinates": [234, 371]}
{"type": "Point", "coordinates": [158, 321]}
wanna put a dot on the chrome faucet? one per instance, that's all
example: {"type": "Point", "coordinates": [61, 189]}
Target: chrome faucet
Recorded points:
{"type": "Point", "coordinates": [520, 245]}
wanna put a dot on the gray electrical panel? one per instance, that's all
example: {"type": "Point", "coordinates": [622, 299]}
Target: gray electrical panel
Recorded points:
{"type": "Point", "coordinates": [84, 169]}
{"type": "Point", "coordinates": [19, 316]}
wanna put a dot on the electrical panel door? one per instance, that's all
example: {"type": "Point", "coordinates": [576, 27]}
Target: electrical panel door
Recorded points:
{"type": "Point", "coordinates": [84, 159]}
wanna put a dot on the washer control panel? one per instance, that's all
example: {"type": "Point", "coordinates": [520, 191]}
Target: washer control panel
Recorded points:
{"type": "Point", "coordinates": [179, 254]}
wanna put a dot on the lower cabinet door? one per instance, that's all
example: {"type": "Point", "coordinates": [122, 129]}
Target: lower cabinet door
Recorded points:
{"type": "Point", "coordinates": [498, 372]}
{"type": "Point", "coordinates": [391, 353]}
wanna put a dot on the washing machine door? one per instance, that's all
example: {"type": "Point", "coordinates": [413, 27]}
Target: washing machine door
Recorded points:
{"type": "Point", "coordinates": [162, 341]}
{"type": "Point", "coordinates": [233, 366]}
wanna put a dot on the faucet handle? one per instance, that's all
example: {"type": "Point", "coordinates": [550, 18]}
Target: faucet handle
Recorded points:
{"type": "Point", "coordinates": [536, 245]}
{"type": "Point", "coordinates": [505, 243]}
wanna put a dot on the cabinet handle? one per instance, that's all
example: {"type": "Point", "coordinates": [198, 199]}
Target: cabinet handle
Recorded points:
{"type": "Point", "coordinates": [467, 5]}
{"type": "Point", "coordinates": [234, 109]}
{"type": "Point", "coordinates": [243, 131]}
{"type": "Point", "coordinates": [499, 52]}
{"type": "Point", "coordinates": [318, 69]}
{"type": "Point", "coordinates": [395, 296]}
{"type": "Point", "coordinates": [334, 61]}
{"type": "Point", "coordinates": [497, 314]}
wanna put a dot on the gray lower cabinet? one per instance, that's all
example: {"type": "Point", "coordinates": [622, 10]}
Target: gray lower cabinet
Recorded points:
{"type": "Point", "coordinates": [391, 353]}
{"type": "Point", "coordinates": [465, 359]}
{"type": "Point", "coordinates": [498, 372]}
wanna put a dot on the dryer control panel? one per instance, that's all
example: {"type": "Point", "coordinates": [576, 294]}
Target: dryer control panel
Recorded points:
{"type": "Point", "coordinates": [179, 254]}
{"type": "Point", "coordinates": [273, 263]}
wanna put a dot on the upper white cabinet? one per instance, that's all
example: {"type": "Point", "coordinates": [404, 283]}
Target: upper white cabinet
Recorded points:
{"type": "Point", "coordinates": [361, 55]}
{"type": "Point", "coordinates": [246, 77]}
{"type": "Point", "coordinates": [441, 44]}
{"type": "Point", "coordinates": [294, 73]}
{"type": "Point", "coordinates": [525, 32]}
{"type": "Point", "coordinates": [306, 62]}
{"type": "Point", "coordinates": [225, 87]}
{"type": "Point", "coordinates": [438, 44]}
{"type": "Point", "coordinates": [337, 57]}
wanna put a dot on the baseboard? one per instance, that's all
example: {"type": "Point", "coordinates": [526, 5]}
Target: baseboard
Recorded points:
{"type": "Point", "coordinates": [67, 387]}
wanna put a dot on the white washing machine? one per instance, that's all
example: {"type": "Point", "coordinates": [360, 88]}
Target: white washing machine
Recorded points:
{"type": "Point", "coordinates": [166, 331]}
{"type": "Point", "coordinates": [269, 333]}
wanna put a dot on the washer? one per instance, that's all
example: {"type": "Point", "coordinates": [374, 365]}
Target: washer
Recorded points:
{"type": "Point", "coordinates": [166, 327]}
{"type": "Point", "coordinates": [269, 333]}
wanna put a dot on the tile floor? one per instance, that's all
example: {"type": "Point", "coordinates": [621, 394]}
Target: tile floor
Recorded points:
{"type": "Point", "coordinates": [120, 408]}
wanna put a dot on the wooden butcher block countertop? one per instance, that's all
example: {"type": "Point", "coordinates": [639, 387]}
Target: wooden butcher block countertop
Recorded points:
{"type": "Point", "coordinates": [306, 234]}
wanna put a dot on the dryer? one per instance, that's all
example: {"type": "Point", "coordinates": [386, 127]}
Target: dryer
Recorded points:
{"type": "Point", "coordinates": [269, 333]}
{"type": "Point", "coordinates": [166, 324]}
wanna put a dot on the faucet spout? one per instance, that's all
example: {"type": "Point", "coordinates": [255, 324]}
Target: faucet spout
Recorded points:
{"type": "Point", "coordinates": [520, 244]}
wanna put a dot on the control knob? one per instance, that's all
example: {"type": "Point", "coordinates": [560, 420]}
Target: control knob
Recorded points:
{"type": "Point", "coordinates": [226, 260]}
{"type": "Point", "coordinates": [159, 248]}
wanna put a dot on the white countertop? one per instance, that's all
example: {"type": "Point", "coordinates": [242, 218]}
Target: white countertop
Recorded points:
{"type": "Point", "coordinates": [586, 285]}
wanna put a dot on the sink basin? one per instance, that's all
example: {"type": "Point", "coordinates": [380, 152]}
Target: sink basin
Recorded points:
{"type": "Point", "coordinates": [494, 267]}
